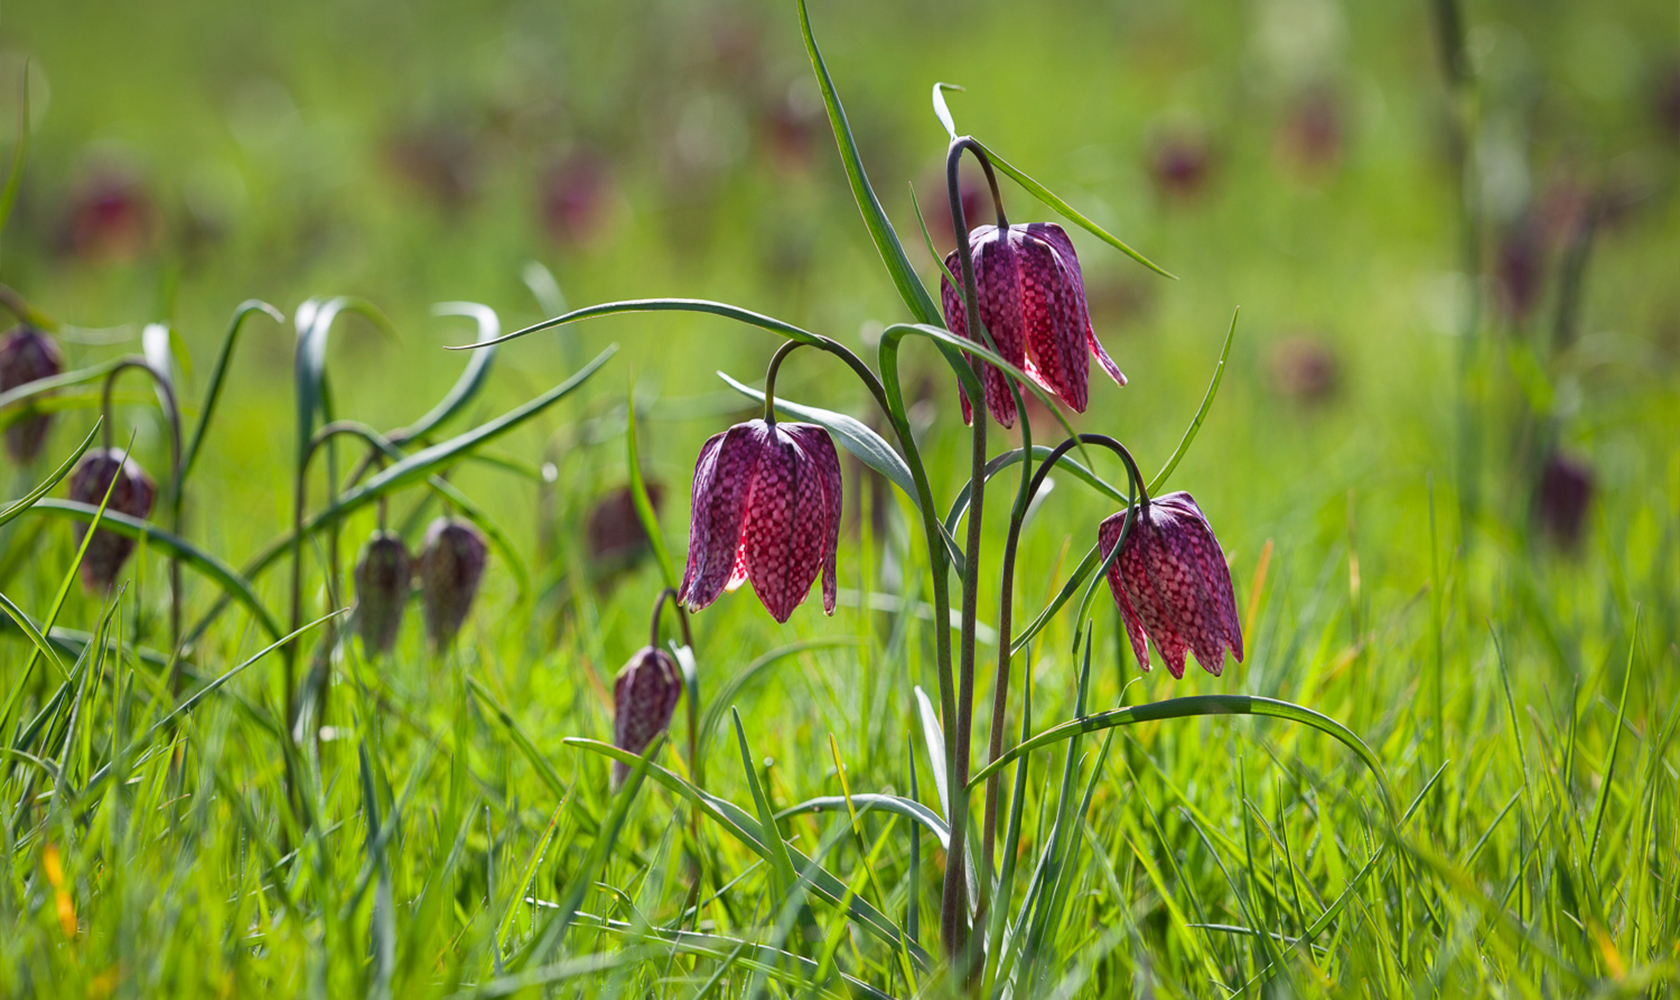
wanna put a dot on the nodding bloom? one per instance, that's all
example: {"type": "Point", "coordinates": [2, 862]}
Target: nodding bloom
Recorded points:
{"type": "Point", "coordinates": [133, 495]}
{"type": "Point", "coordinates": [1172, 584]}
{"type": "Point", "coordinates": [27, 355]}
{"type": "Point", "coordinates": [451, 565]}
{"type": "Point", "coordinates": [384, 574]}
{"type": "Point", "coordinates": [1032, 302]}
{"type": "Point", "coordinates": [1563, 499]}
{"type": "Point", "coordinates": [644, 696]}
{"type": "Point", "coordinates": [766, 508]}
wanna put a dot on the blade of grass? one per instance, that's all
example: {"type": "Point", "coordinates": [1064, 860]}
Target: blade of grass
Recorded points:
{"type": "Point", "coordinates": [46, 485]}
{"type": "Point", "coordinates": [644, 504]}
{"type": "Point", "coordinates": [1201, 411]}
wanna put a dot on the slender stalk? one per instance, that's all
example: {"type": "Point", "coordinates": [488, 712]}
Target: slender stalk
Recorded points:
{"type": "Point", "coordinates": [770, 379]}
{"type": "Point", "coordinates": [172, 412]}
{"type": "Point", "coordinates": [954, 929]}
{"type": "Point", "coordinates": [1000, 693]}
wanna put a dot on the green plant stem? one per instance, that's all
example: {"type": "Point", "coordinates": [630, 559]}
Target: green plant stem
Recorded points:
{"type": "Point", "coordinates": [770, 379]}
{"type": "Point", "coordinates": [172, 413]}
{"type": "Point", "coordinates": [1000, 689]}
{"type": "Point", "coordinates": [954, 901]}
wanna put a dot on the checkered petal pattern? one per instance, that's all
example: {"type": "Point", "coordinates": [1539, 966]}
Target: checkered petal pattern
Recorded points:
{"type": "Point", "coordinates": [1032, 302]}
{"type": "Point", "coordinates": [133, 494]}
{"type": "Point", "coordinates": [1172, 585]}
{"type": "Point", "coordinates": [451, 565]}
{"type": "Point", "coordinates": [645, 694]}
{"type": "Point", "coordinates": [765, 509]}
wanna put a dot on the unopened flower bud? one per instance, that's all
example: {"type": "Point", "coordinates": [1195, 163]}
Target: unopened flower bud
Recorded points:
{"type": "Point", "coordinates": [450, 567]}
{"type": "Point", "coordinates": [27, 355]}
{"type": "Point", "coordinates": [383, 576]}
{"type": "Point", "coordinates": [644, 696]}
{"type": "Point", "coordinates": [133, 495]}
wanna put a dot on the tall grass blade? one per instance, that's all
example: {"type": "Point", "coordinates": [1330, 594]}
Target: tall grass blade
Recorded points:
{"type": "Point", "coordinates": [1201, 411]}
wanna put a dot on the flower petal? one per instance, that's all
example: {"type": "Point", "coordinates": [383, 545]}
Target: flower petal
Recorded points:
{"type": "Point", "coordinates": [1053, 315]}
{"type": "Point", "coordinates": [722, 478]}
{"type": "Point", "coordinates": [1107, 534]}
{"type": "Point", "coordinates": [825, 464]}
{"type": "Point", "coordinates": [783, 553]}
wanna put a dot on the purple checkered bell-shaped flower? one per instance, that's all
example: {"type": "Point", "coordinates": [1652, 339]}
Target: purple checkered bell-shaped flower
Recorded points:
{"type": "Point", "coordinates": [766, 508]}
{"type": "Point", "coordinates": [644, 696]}
{"type": "Point", "coordinates": [1032, 302]}
{"type": "Point", "coordinates": [1172, 584]}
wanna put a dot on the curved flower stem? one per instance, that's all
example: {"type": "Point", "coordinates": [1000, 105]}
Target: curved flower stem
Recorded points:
{"type": "Point", "coordinates": [321, 436]}
{"type": "Point", "coordinates": [1000, 694]}
{"type": "Point", "coordinates": [953, 915]}
{"type": "Point", "coordinates": [770, 382]}
{"type": "Point", "coordinates": [172, 413]}
{"type": "Point", "coordinates": [670, 594]}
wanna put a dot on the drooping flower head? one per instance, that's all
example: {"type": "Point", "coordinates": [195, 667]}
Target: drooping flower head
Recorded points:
{"type": "Point", "coordinates": [644, 696]}
{"type": "Point", "coordinates": [27, 355]}
{"type": "Point", "coordinates": [133, 495]}
{"type": "Point", "coordinates": [451, 565]}
{"type": "Point", "coordinates": [1172, 584]}
{"type": "Point", "coordinates": [384, 574]}
{"type": "Point", "coordinates": [766, 508]}
{"type": "Point", "coordinates": [1032, 302]}
{"type": "Point", "coordinates": [1563, 499]}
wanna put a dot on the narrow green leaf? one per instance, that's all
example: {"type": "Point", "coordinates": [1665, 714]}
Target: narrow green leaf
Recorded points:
{"type": "Point", "coordinates": [1615, 743]}
{"type": "Point", "coordinates": [1194, 705]}
{"type": "Point", "coordinates": [224, 576]}
{"type": "Point", "coordinates": [1068, 212]}
{"type": "Point", "coordinates": [644, 504]}
{"type": "Point", "coordinates": [1201, 411]}
{"type": "Point", "coordinates": [20, 152]}
{"type": "Point", "coordinates": [472, 378]}
{"type": "Point", "coordinates": [26, 501]}
{"type": "Point", "coordinates": [910, 288]}
{"type": "Point", "coordinates": [780, 863]}
{"type": "Point", "coordinates": [218, 375]}
{"type": "Point", "coordinates": [31, 630]}
{"type": "Point", "coordinates": [726, 695]}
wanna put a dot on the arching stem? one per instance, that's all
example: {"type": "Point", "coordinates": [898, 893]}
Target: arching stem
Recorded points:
{"type": "Point", "coordinates": [954, 929]}
{"type": "Point", "coordinates": [770, 379]}
{"type": "Point", "coordinates": [172, 413]}
{"type": "Point", "coordinates": [1000, 695]}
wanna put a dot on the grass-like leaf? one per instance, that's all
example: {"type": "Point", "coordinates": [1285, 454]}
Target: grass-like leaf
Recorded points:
{"type": "Point", "coordinates": [1068, 212]}
{"type": "Point", "coordinates": [218, 375]}
{"type": "Point", "coordinates": [1194, 705]}
{"type": "Point", "coordinates": [55, 477]}
{"type": "Point", "coordinates": [1201, 411]}
{"type": "Point", "coordinates": [644, 504]}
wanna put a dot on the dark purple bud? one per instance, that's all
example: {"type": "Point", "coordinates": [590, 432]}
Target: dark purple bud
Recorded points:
{"type": "Point", "coordinates": [1519, 267]}
{"type": "Point", "coordinates": [574, 197]}
{"type": "Point", "coordinates": [1179, 164]}
{"type": "Point", "coordinates": [1032, 302]}
{"type": "Point", "coordinates": [766, 508]}
{"type": "Point", "coordinates": [1305, 368]}
{"type": "Point", "coordinates": [451, 565]}
{"type": "Point", "coordinates": [111, 217]}
{"type": "Point", "coordinates": [133, 495]}
{"type": "Point", "coordinates": [1665, 102]}
{"type": "Point", "coordinates": [440, 161]}
{"type": "Point", "coordinates": [384, 575]}
{"type": "Point", "coordinates": [644, 696]}
{"type": "Point", "coordinates": [1563, 500]}
{"type": "Point", "coordinates": [614, 534]}
{"type": "Point", "coordinates": [27, 355]}
{"type": "Point", "coordinates": [1311, 137]}
{"type": "Point", "coordinates": [1172, 585]}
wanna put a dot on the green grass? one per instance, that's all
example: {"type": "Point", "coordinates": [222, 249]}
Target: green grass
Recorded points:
{"type": "Point", "coordinates": [452, 832]}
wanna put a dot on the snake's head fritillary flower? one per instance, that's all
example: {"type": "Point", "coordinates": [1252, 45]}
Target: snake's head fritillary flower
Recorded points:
{"type": "Point", "coordinates": [451, 565]}
{"type": "Point", "coordinates": [1562, 501]}
{"type": "Point", "coordinates": [766, 508]}
{"type": "Point", "coordinates": [27, 355]}
{"type": "Point", "coordinates": [133, 495]}
{"type": "Point", "coordinates": [1032, 302]}
{"type": "Point", "coordinates": [1172, 584]}
{"type": "Point", "coordinates": [384, 574]}
{"type": "Point", "coordinates": [644, 696]}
